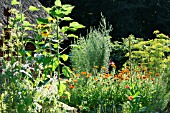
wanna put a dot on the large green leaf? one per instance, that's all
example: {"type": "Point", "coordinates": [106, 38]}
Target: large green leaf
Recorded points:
{"type": "Point", "coordinates": [14, 2]}
{"type": "Point", "coordinates": [64, 57]}
{"type": "Point", "coordinates": [66, 71]}
{"type": "Point", "coordinates": [76, 25]}
{"type": "Point", "coordinates": [62, 87]}
{"type": "Point", "coordinates": [33, 8]}
{"type": "Point", "coordinates": [42, 21]}
{"type": "Point", "coordinates": [55, 63]}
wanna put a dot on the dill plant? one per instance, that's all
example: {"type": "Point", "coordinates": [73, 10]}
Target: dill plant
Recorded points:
{"type": "Point", "coordinates": [92, 50]}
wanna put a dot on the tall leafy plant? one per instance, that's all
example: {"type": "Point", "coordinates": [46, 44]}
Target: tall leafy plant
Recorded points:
{"type": "Point", "coordinates": [92, 50]}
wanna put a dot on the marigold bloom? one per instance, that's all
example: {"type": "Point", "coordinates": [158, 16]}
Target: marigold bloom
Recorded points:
{"type": "Point", "coordinates": [72, 86]}
{"type": "Point", "coordinates": [83, 73]}
{"type": "Point", "coordinates": [77, 75]}
{"type": "Point", "coordinates": [96, 79]}
{"type": "Point", "coordinates": [105, 76]}
{"type": "Point", "coordinates": [114, 66]}
{"type": "Point", "coordinates": [157, 74]}
{"type": "Point", "coordinates": [73, 69]}
{"type": "Point", "coordinates": [127, 78]}
{"type": "Point", "coordinates": [144, 68]}
{"type": "Point", "coordinates": [116, 78]}
{"type": "Point", "coordinates": [150, 72]}
{"type": "Point", "coordinates": [96, 67]}
{"type": "Point", "coordinates": [88, 75]}
{"type": "Point", "coordinates": [103, 68]}
{"type": "Point", "coordinates": [75, 81]}
{"type": "Point", "coordinates": [130, 97]}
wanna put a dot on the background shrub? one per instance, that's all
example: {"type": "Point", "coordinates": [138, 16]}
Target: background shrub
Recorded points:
{"type": "Point", "coordinates": [92, 50]}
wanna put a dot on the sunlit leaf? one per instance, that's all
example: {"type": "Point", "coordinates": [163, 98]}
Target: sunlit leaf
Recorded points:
{"type": "Point", "coordinates": [33, 8]}
{"type": "Point", "coordinates": [64, 57]}
{"type": "Point", "coordinates": [57, 3]}
{"type": "Point", "coordinates": [72, 35]}
{"type": "Point", "coordinates": [14, 2]}
{"type": "Point", "coordinates": [76, 25]}
{"type": "Point", "coordinates": [67, 19]}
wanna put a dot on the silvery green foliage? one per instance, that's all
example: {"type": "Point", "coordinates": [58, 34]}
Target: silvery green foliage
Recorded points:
{"type": "Point", "coordinates": [92, 50]}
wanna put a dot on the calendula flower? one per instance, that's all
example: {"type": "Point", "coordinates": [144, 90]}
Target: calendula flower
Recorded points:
{"type": "Point", "coordinates": [127, 78]}
{"type": "Point", "coordinates": [114, 66]}
{"type": "Point", "coordinates": [77, 75]}
{"type": "Point", "coordinates": [75, 81]}
{"type": "Point", "coordinates": [103, 68]}
{"type": "Point", "coordinates": [96, 67]}
{"type": "Point", "coordinates": [73, 69]}
{"type": "Point", "coordinates": [105, 76]}
{"type": "Point", "coordinates": [130, 97]}
{"type": "Point", "coordinates": [157, 74]}
{"type": "Point", "coordinates": [72, 86]}
{"type": "Point", "coordinates": [83, 73]}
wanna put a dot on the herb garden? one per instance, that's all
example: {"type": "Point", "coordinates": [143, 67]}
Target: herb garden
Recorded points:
{"type": "Point", "coordinates": [38, 80]}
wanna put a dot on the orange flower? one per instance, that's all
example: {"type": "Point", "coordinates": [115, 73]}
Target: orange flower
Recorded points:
{"type": "Point", "coordinates": [75, 81]}
{"type": "Point", "coordinates": [95, 79]}
{"type": "Point", "coordinates": [77, 75]}
{"type": "Point", "coordinates": [116, 78]}
{"type": "Point", "coordinates": [83, 73]}
{"type": "Point", "coordinates": [88, 75]}
{"type": "Point", "coordinates": [114, 66]}
{"type": "Point", "coordinates": [67, 81]}
{"type": "Point", "coordinates": [130, 97]}
{"type": "Point", "coordinates": [150, 72]}
{"type": "Point", "coordinates": [157, 74]}
{"type": "Point", "coordinates": [72, 86]}
{"type": "Point", "coordinates": [127, 78]}
{"type": "Point", "coordinates": [137, 71]}
{"type": "Point", "coordinates": [103, 68]}
{"type": "Point", "coordinates": [105, 76]}
{"type": "Point", "coordinates": [100, 75]}
{"type": "Point", "coordinates": [73, 69]}
{"type": "Point", "coordinates": [96, 67]}
{"type": "Point", "coordinates": [144, 68]}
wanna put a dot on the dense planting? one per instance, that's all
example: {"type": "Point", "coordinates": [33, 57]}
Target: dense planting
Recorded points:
{"type": "Point", "coordinates": [30, 79]}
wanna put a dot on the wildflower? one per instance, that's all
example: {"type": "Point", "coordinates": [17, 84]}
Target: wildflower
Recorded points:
{"type": "Point", "coordinates": [96, 67]}
{"type": "Point", "coordinates": [83, 73]}
{"type": "Point", "coordinates": [116, 78]}
{"type": "Point", "coordinates": [105, 76]}
{"type": "Point", "coordinates": [95, 79]}
{"type": "Point", "coordinates": [73, 69]}
{"type": "Point", "coordinates": [130, 97]}
{"type": "Point", "coordinates": [100, 75]}
{"type": "Point", "coordinates": [45, 33]}
{"type": "Point", "coordinates": [88, 75]}
{"type": "Point", "coordinates": [114, 66]}
{"type": "Point", "coordinates": [103, 68]}
{"type": "Point", "coordinates": [127, 87]}
{"type": "Point", "coordinates": [139, 76]}
{"type": "Point", "coordinates": [157, 74]}
{"type": "Point", "coordinates": [72, 86]}
{"type": "Point", "coordinates": [77, 75]}
{"type": "Point", "coordinates": [144, 68]}
{"type": "Point", "coordinates": [150, 72]}
{"type": "Point", "coordinates": [127, 78]}
{"type": "Point", "coordinates": [75, 81]}
{"type": "Point", "coordinates": [137, 70]}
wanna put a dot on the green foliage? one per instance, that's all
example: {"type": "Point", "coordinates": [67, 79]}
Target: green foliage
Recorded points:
{"type": "Point", "coordinates": [98, 92]}
{"type": "Point", "coordinates": [94, 49]}
{"type": "Point", "coordinates": [30, 81]}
